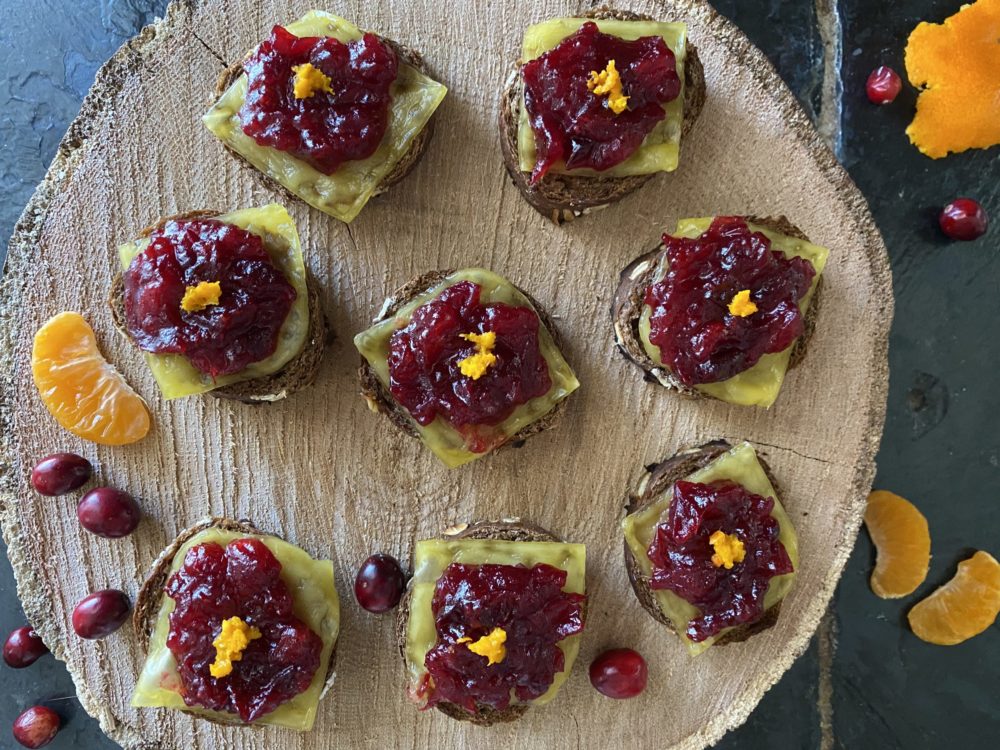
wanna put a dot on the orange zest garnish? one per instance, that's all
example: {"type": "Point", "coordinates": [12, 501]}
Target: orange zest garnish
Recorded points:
{"type": "Point", "coordinates": [965, 606]}
{"type": "Point", "coordinates": [729, 549]}
{"type": "Point", "coordinates": [230, 644]}
{"type": "Point", "coordinates": [609, 82]}
{"type": "Point", "coordinates": [85, 394]}
{"type": "Point", "coordinates": [957, 64]}
{"type": "Point", "coordinates": [741, 305]}
{"type": "Point", "coordinates": [308, 80]}
{"type": "Point", "coordinates": [475, 365]}
{"type": "Point", "coordinates": [903, 543]}
{"type": "Point", "coordinates": [491, 646]}
{"type": "Point", "coordinates": [202, 295]}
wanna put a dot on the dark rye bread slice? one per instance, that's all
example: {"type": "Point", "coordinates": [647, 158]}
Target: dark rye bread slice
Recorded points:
{"type": "Point", "coordinates": [564, 197]}
{"type": "Point", "coordinates": [147, 602]}
{"type": "Point", "coordinates": [626, 309]}
{"type": "Point", "coordinates": [378, 397]}
{"type": "Point", "coordinates": [299, 373]}
{"type": "Point", "coordinates": [657, 480]}
{"type": "Point", "coordinates": [510, 530]}
{"type": "Point", "coordinates": [399, 171]}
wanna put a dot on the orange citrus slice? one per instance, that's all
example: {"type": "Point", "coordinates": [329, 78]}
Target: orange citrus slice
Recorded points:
{"type": "Point", "coordinates": [902, 541]}
{"type": "Point", "coordinates": [82, 391]}
{"type": "Point", "coordinates": [965, 606]}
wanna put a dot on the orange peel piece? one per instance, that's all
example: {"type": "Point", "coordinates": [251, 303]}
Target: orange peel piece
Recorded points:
{"type": "Point", "coordinates": [902, 541]}
{"type": "Point", "coordinates": [957, 66]}
{"type": "Point", "coordinates": [964, 607]}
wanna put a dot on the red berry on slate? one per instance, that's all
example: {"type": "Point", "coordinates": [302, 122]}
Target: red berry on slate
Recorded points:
{"type": "Point", "coordinates": [964, 219]}
{"type": "Point", "coordinates": [23, 648]}
{"type": "Point", "coordinates": [60, 473]}
{"type": "Point", "coordinates": [108, 512]}
{"type": "Point", "coordinates": [884, 85]}
{"type": "Point", "coordinates": [379, 584]}
{"type": "Point", "coordinates": [36, 727]}
{"type": "Point", "coordinates": [619, 673]}
{"type": "Point", "coordinates": [100, 614]}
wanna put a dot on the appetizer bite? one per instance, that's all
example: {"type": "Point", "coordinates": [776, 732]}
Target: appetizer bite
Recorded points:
{"type": "Point", "coordinates": [709, 549]}
{"type": "Point", "coordinates": [239, 627]}
{"type": "Point", "coordinates": [333, 114]}
{"type": "Point", "coordinates": [465, 361]}
{"type": "Point", "coordinates": [491, 623]}
{"type": "Point", "coordinates": [597, 106]}
{"type": "Point", "coordinates": [722, 308]}
{"type": "Point", "coordinates": [222, 303]}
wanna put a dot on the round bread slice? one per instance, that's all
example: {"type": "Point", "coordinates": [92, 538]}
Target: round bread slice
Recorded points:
{"type": "Point", "coordinates": [402, 168]}
{"type": "Point", "coordinates": [657, 480]}
{"type": "Point", "coordinates": [380, 399]}
{"type": "Point", "coordinates": [510, 530]}
{"type": "Point", "coordinates": [300, 371]}
{"type": "Point", "coordinates": [627, 304]}
{"type": "Point", "coordinates": [564, 197]}
{"type": "Point", "coordinates": [147, 602]}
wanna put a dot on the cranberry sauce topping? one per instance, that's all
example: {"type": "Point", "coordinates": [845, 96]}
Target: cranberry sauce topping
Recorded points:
{"type": "Point", "coordinates": [341, 117]}
{"type": "Point", "coordinates": [241, 580]}
{"type": "Point", "coordinates": [534, 613]}
{"type": "Point", "coordinates": [218, 339]}
{"type": "Point", "coordinates": [578, 125]}
{"type": "Point", "coordinates": [685, 560]}
{"type": "Point", "coordinates": [425, 357]}
{"type": "Point", "coordinates": [727, 299]}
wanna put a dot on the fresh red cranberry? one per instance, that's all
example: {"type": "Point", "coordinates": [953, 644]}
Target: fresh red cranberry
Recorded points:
{"type": "Point", "coordinates": [60, 473]}
{"type": "Point", "coordinates": [36, 727]}
{"type": "Point", "coordinates": [108, 512]}
{"type": "Point", "coordinates": [964, 219]}
{"type": "Point", "coordinates": [884, 85]}
{"type": "Point", "coordinates": [619, 673]}
{"type": "Point", "coordinates": [100, 614]}
{"type": "Point", "coordinates": [379, 583]}
{"type": "Point", "coordinates": [23, 648]}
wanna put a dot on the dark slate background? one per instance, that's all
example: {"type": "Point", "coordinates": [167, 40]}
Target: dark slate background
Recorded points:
{"type": "Point", "coordinates": [866, 681]}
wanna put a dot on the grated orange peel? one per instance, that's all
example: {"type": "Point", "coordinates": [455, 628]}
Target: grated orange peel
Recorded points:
{"type": "Point", "coordinates": [902, 542]}
{"type": "Point", "coordinates": [957, 66]}
{"type": "Point", "coordinates": [964, 607]}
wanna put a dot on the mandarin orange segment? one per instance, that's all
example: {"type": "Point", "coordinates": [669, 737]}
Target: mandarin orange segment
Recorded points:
{"type": "Point", "coordinates": [957, 64]}
{"type": "Point", "coordinates": [85, 394]}
{"type": "Point", "coordinates": [902, 542]}
{"type": "Point", "coordinates": [965, 606]}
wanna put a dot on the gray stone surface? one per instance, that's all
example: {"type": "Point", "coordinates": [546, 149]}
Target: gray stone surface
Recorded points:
{"type": "Point", "coordinates": [881, 686]}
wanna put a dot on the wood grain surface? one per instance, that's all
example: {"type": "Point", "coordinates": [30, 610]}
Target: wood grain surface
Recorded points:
{"type": "Point", "coordinates": [330, 476]}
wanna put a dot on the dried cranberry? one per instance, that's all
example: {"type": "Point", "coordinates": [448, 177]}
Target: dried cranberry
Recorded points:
{"type": "Point", "coordinates": [619, 673]}
{"type": "Point", "coordinates": [424, 373]}
{"type": "Point", "coordinates": [327, 128]}
{"type": "Point", "coordinates": [470, 601]}
{"type": "Point", "coordinates": [883, 86]}
{"type": "Point", "coordinates": [100, 614]}
{"type": "Point", "coordinates": [573, 124]}
{"type": "Point", "coordinates": [23, 648]}
{"type": "Point", "coordinates": [698, 338]}
{"type": "Point", "coordinates": [36, 727]}
{"type": "Point", "coordinates": [682, 554]}
{"type": "Point", "coordinates": [379, 583]}
{"type": "Point", "coordinates": [964, 219]}
{"type": "Point", "coordinates": [220, 339]}
{"type": "Point", "coordinates": [60, 473]}
{"type": "Point", "coordinates": [241, 580]}
{"type": "Point", "coordinates": [108, 512]}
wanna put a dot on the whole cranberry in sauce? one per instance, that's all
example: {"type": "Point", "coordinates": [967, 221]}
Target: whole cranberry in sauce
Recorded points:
{"type": "Point", "coordinates": [884, 85]}
{"type": "Point", "coordinates": [619, 673]}
{"type": "Point", "coordinates": [23, 648]}
{"type": "Point", "coordinates": [964, 219]}
{"type": "Point", "coordinates": [60, 473]}
{"type": "Point", "coordinates": [36, 727]}
{"type": "Point", "coordinates": [379, 583]}
{"type": "Point", "coordinates": [100, 614]}
{"type": "Point", "coordinates": [108, 512]}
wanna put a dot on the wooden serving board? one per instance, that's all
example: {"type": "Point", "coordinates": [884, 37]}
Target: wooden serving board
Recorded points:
{"type": "Point", "coordinates": [327, 474]}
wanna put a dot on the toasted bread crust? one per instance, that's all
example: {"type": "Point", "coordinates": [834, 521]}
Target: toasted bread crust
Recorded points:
{"type": "Point", "coordinates": [378, 397]}
{"type": "Point", "coordinates": [657, 480]}
{"type": "Point", "coordinates": [151, 593]}
{"type": "Point", "coordinates": [564, 197]}
{"type": "Point", "coordinates": [402, 168]}
{"type": "Point", "coordinates": [627, 304]}
{"type": "Point", "coordinates": [299, 373]}
{"type": "Point", "coordinates": [512, 530]}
